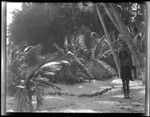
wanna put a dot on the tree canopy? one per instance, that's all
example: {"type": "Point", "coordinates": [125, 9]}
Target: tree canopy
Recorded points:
{"type": "Point", "coordinates": [49, 23]}
{"type": "Point", "coordinates": [46, 23]}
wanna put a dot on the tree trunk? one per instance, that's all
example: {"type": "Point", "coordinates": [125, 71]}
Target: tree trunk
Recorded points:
{"type": "Point", "coordinates": [111, 16]}
{"type": "Point", "coordinates": [109, 40]}
{"type": "Point", "coordinates": [127, 38]}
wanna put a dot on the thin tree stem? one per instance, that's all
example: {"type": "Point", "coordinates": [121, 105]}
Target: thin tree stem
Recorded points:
{"type": "Point", "coordinates": [109, 40]}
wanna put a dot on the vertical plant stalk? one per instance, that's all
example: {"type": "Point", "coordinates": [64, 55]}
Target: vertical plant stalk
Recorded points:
{"type": "Point", "coordinates": [109, 40]}
{"type": "Point", "coordinates": [127, 38]}
{"type": "Point", "coordinates": [111, 16]}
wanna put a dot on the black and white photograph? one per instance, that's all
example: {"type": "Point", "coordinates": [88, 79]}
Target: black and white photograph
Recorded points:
{"type": "Point", "coordinates": [81, 57]}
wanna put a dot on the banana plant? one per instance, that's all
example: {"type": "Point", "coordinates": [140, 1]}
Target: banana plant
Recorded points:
{"type": "Point", "coordinates": [29, 83]}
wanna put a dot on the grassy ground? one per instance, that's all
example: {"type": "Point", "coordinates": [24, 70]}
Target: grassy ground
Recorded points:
{"type": "Point", "coordinates": [110, 102]}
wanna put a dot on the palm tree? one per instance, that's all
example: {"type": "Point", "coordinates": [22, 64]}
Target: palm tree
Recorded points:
{"type": "Point", "coordinates": [128, 40]}
{"type": "Point", "coordinates": [108, 38]}
{"type": "Point", "coordinates": [114, 16]}
{"type": "Point", "coordinates": [29, 83]}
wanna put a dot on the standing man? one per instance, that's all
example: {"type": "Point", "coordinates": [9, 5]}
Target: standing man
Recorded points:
{"type": "Point", "coordinates": [126, 65]}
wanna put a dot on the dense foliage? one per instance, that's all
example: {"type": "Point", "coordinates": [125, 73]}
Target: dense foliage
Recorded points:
{"type": "Point", "coordinates": [69, 27]}
{"type": "Point", "coordinates": [46, 23]}
{"type": "Point", "coordinates": [49, 23]}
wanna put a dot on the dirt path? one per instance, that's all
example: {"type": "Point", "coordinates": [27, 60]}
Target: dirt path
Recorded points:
{"type": "Point", "coordinates": [110, 102]}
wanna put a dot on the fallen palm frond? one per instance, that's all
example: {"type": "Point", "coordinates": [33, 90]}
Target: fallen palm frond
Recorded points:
{"type": "Point", "coordinates": [99, 93]}
{"type": "Point", "coordinates": [95, 93]}
{"type": "Point", "coordinates": [106, 66]}
{"type": "Point", "coordinates": [108, 52]}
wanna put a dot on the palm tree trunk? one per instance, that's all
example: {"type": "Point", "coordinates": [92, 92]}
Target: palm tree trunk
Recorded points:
{"type": "Point", "coordinates": [111, 16]}
{"type": "Point", "coordinates": [127, 38]}
{"type": "Point", "coordinates": [109, 40]}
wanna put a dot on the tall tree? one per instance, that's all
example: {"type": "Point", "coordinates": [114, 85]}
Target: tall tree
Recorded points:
{"type": "Point", "coordinates": [108, 38]}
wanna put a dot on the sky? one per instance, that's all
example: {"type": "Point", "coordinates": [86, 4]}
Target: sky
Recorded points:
{"type": "Point", "coordinates": [11, 6]}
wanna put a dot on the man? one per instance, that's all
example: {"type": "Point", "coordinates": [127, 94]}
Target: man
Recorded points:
{"type": "Point", "coordinates": [126, 66]}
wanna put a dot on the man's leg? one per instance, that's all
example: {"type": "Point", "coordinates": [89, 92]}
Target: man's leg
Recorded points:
{"type": "Point", "coordinates": [128, 88]}
{"type": "Point", "coordinates": [124, 87]}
